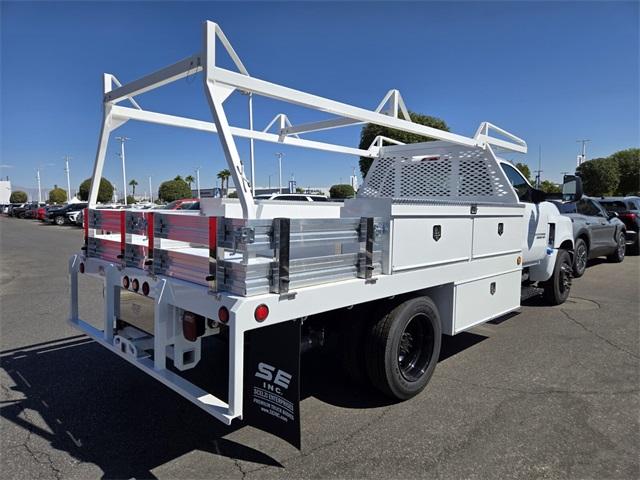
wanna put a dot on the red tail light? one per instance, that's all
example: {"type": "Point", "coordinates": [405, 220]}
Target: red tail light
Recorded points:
{"type": "Point", "coordinates": [630, 216]}
{"type": "Point", "coordinates": [261, 313]}
{"type": "Point", "coordinates": [223, 314]}
{"type": "Point", "coordinates": [125, 282]}
{"type": "Point", "coordinates": [81, 267]}
{"type": "Point", "coordinates": [135, 285]}
{"type": "Point", "coordinates": [145, 289]}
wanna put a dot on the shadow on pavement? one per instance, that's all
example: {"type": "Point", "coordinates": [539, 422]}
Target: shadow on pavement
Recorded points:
{"type": "Point", "coordinates": [103, 411]}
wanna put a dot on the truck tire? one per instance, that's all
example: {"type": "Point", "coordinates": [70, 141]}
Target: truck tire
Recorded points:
{"type": "Point", "coordinates": [556, 289]}
{"type": "Point", "coordinates": [402, 348]}
{"type": "Point", "coordinates": [581, 257]}
{"type": "Point", "coordinates": [621, 246]}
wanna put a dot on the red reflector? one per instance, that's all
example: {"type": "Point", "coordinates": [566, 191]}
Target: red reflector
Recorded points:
{"type": "Point", "coordinates": [135, 284]}
{"type": "Point", "coordinates": [192, 326]}
{"type": "Point", "coordinates": [125, 282]}
{"type": "Point", "coordinates": [223, 314]}
{"type": "Point", "coordinates": [81, 267]}
{"type": "Point", "coordinates": [261, 313]}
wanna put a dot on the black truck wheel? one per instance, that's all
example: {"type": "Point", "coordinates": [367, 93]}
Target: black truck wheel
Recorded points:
{"type": "Point", "coordinates": [556, 289]}
{"type": "Point", "coordinates": [581, 257]}
{"type": "Point", "coordinates": [402, 348]}
{"type": "Point", "coordinates": [621, 246]}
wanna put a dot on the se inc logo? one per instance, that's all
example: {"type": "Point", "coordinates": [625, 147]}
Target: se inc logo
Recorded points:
{"type": "Point", "coordinates": [278, 379]}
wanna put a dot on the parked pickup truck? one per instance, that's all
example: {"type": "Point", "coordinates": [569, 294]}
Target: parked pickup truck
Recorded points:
{"type": "Point", "coordinates": [596, 232]}
{"type": "Point", "coordinates": [442, 236]}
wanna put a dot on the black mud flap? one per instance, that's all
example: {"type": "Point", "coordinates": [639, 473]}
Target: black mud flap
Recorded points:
{"type": "Point", "coordinates": [272, 380]}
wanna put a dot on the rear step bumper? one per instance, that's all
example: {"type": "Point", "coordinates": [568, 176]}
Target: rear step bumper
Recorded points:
{"type": "Point", "coordinates": [209, 403]}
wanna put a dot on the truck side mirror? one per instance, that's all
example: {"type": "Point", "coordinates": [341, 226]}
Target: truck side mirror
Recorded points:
{"type": "Point", "coordinates": [572, 188]}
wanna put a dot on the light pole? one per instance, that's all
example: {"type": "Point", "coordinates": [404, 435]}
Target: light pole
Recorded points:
{"type": "Point", "coordinates": [280, 155]}
{"type": "Point", "coordinates": [124, 172]}
{"type": "Point", "coordinates": [39, 187]}
{"type": "Point", "coordinates": [66, 169]}
{"type": "Point", "coordinates": [198, 180]}
{"type": "Point", "coordinates": [583, 157]}
{"type": "Point", "coordinates": [150, 190]}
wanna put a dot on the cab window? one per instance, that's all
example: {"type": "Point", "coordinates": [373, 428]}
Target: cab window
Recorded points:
{"type": "Point", "coordinates": [517, 181]}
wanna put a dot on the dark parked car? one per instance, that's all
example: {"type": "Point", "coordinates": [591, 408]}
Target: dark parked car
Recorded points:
{"type": "Point", "coordinates": [628, 210]}
{"type": "Point", "coordinates": [26, 210]}
{"type": "Point", "coordinates": [59, 215]}
{"type": "Point", "coordinates": [596, 233]}
{"type": "Point", "coordinates": [13, 206]}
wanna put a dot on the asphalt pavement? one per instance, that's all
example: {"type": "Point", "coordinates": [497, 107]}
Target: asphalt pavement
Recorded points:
{"type": "Point", "coordinates": [551, 392]}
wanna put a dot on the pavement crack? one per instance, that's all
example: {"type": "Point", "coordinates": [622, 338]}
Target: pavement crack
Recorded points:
{"type": "Point", "coordinates": [604, 339]}
{"type": "Point", "coordinates": [40, 457]}
{"type": "Point", "coordinates": [238, 465]}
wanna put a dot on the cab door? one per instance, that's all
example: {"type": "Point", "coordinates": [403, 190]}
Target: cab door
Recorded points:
{"type": "Point", "coordinates": [535, 235]}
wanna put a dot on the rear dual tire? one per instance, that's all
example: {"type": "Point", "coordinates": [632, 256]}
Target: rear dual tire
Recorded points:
{"type": "Point", "coordinates": [402, 348]}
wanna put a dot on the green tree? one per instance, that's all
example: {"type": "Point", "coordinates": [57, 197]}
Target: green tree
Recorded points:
{"type": "Point", "coordinates": [341, 190]}
{"type": "Point", "coordinates": [371, 131]}
{"type": "Point", "coordinates": [57, 195]}
{"type": "Point", "coordinates": [189, 179]}
{"type": "Point", "coordinates": [524, 170]}
{"type": "Point", "coordinates": [105, 192]}
{"type": "Point", "coordinates": [18, 197]}
{"type": "Point", "coordinates": [174, 190]}
{"type": "Point", "coordinates": [224, 175]}
{"type": "Point", "coordinates": [133, 184]}
{"type": "Point", "coordinates": [600, 176]}
{"type": "Point", "coordinates": [629, 167]}
{"type": "Point", "coordinates": [131, 199]}
{"type": "Point", "coordinates": [549, 187]}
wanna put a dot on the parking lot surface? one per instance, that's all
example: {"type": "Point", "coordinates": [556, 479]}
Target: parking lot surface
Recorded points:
{"type": "Point", "coordinates": [546, 393]}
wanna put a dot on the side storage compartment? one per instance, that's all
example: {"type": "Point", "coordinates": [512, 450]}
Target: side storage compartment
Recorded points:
{"type": "Point", "coordinates": [496, 236]}
{"type": "Point", "coordinates": [422, 242]}
{"type": "Point", "coordinates": [478, 301]}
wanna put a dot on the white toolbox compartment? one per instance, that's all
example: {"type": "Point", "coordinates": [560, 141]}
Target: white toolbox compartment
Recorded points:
{"type": "Point", "coordinates": [478, 301]}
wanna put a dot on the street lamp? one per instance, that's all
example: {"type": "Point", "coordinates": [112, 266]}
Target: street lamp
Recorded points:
{"type": "Point", "coordinates": [124, 172]}
{"type": "Point", "coordinates": [280, 155]}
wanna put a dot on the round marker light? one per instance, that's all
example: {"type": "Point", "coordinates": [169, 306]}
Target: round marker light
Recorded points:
{"type": "Point", "coordinates": [81, 267]}
{"type": "Point", "coordinates": [135, 284]}
{"type": "Point", "coordinates": [223, 314]}
{"type": "Point", "coordinates": [261, 313]}
{"type": "Point", "coordinates": [125, 282]}
{"type": "Point", "coordinates": [145, 289]}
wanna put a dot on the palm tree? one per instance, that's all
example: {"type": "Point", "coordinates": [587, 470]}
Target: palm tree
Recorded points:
{"type": "Point", "coordinates": [189, 179]}
{"type": "Point", "coordinates": [133, 185]}
{"type": "Point", "coordinates": [224, 175]}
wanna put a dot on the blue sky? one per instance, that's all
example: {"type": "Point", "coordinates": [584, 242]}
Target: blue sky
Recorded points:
{"type": "Point", "coordinates": [549, 72]}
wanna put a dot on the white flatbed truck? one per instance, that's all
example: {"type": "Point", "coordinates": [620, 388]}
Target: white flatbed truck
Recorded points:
{"type": "Point", "coordinates": [443, 235]}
